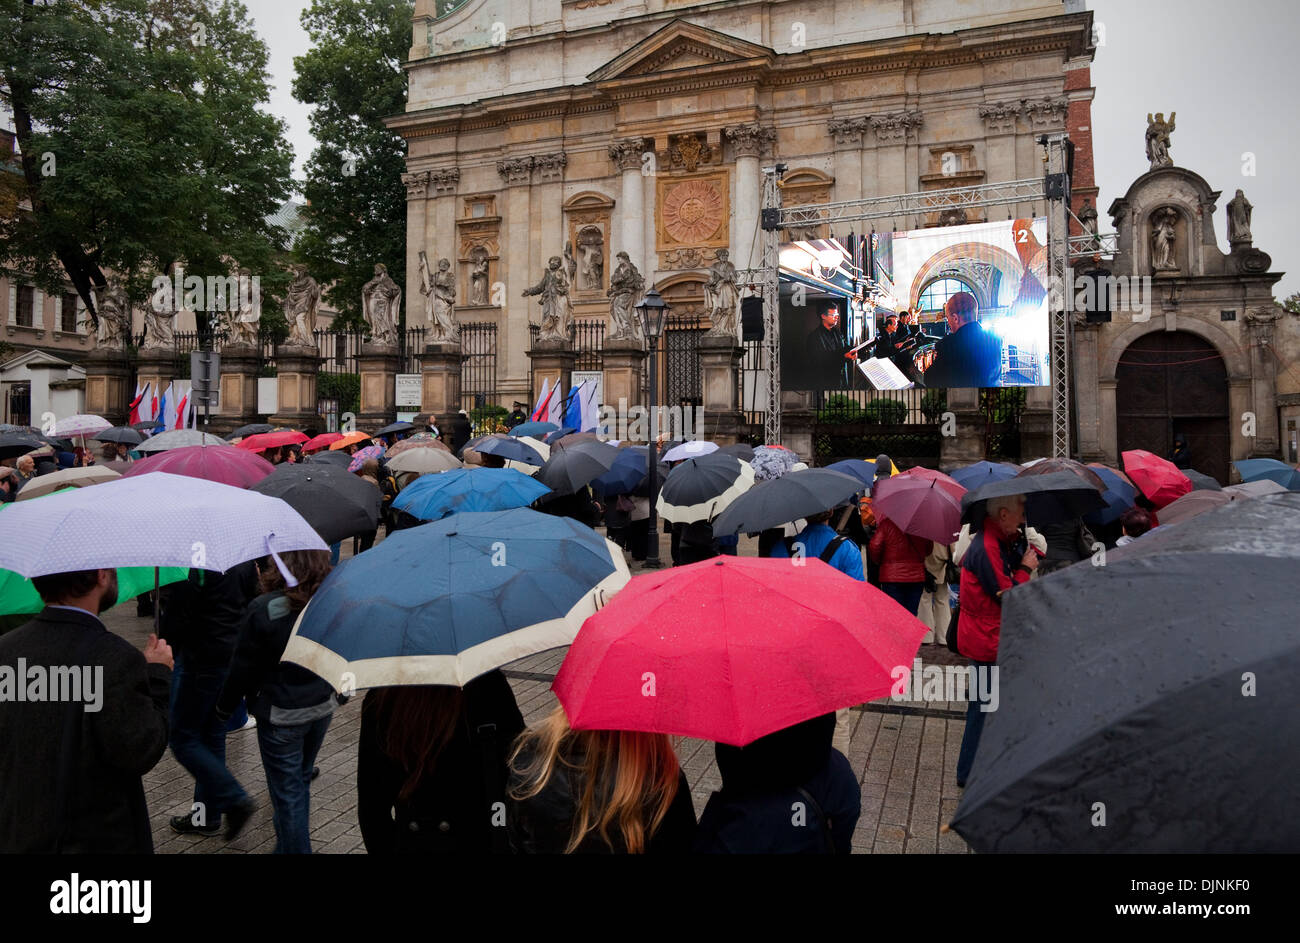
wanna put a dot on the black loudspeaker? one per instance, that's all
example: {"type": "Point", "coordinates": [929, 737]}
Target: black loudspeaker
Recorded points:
{"type": "Point", "coordinates": [771, 219]}
{"type": "Point", "coordinates": [1098, 312]}
{"type": "Point", "coordinates": [751, 319]}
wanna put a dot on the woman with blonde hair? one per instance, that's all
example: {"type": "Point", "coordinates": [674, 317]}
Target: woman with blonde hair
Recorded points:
{"type": "Point", "coordinates": [597, 792]}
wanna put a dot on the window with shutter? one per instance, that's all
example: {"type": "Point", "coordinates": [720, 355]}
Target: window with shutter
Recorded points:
{"type": "Point", "coordinates": [26, 302]}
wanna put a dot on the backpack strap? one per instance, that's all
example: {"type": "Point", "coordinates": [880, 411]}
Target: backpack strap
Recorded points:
{"type": "Point", "coordinates": [832, 548]}
{"type": "Point", "coordinates": [789, 545]}
{"type": "Point", "coordinates": [815, 806]}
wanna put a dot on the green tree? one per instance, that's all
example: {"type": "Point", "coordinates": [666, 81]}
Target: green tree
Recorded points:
{"type": "Point", "coordinates": [142, 141]}
{"type": "Point", "coordinates": [356, 201]}
{"type": "Point", "coordinates": [1292, 303]}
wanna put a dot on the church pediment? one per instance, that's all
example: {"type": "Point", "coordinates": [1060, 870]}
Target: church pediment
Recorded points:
{"type": "Point", "coordinates": [677, 47]}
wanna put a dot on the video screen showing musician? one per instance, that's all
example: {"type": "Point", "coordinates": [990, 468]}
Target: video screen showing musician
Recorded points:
{"type": "Point", "coordinates": [828, 356]}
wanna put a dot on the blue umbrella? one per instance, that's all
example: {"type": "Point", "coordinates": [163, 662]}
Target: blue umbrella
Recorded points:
{"type": "Point", "coordinates": [432, 497]}
{"type": "Point", "coordinates": [445, 602]}
{"type": "Point", "coordinates": [1119, 497]}
{"type": "Point", "coordinates": [1258, 469]}
{"type": "Point", "coordinates": [865, 472]}
{"type": "Point", "coordinates": [976, 476]}
{"type": "Point", "coordinates": [533, 429]}
{"type": "Point", "coordinates": [627, 472]}
{"type": "Point", "coordinates": [557, 435]}
{"type": "Point", "coordinates": [510, 449]}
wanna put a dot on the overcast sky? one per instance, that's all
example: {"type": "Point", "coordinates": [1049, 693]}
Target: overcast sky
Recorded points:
{"type": "Point", "coordinates": [1230, 71]}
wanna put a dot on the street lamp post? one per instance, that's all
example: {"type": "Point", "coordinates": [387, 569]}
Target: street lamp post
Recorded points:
{"type": "Point", "coordinates": [653, 311]}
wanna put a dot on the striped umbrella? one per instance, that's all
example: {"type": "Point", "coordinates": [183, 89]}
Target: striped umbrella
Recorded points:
{"type": "Point", "coordinates": [701, 488]}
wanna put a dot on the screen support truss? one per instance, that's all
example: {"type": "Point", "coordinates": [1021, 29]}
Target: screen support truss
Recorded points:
{"type": "Point", "coordinates": [903, 205]}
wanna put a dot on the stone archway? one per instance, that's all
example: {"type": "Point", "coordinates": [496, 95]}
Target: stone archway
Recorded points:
{"type": "Point", "coordinates": [1171, 382]}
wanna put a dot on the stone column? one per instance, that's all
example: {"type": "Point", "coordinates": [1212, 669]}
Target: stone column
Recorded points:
{"type": "Point", "coordinates": [379, 364]}
{"type": "Point", "coordinates": [627, 155]}
{"type": "Point", "coordinates": [719, 360]}
{"type": "Point", "coordinates": [108, 373]}
{"type": "Point", "coordinates": [623, 361]}
{"type": "Point", "coordinates": [554, 361]}
{"type": "Point", "coordinates": [296, 369]}
{"type": "Point", "coordinates": [417, 191]}
{"type": "Point", "coordinates": [440, 397]}
{"type": "Point", "coordinates": [1107, 419]}
{"type": "Point", "coordinates": [156, 366]}
{"type": "Point", "coordinates": [747, 142]}
{"type": "Point", "coordinates": [1087, 399]}
{"type": "Point", "coordinates": [1263, 374]}
{"type": "Point", "coordinates": [1240, 393]}
{"type": "Point", "coordinates": [240, 365]}
{"type": "Point", "coordinates": [512, 339]}
{"type": "Point", "coordinates": [893, 132]}
{"type": "Point", "coordinates": [1036, 424]}
{"type": "Point", "coordinates": [1000, 139]}
{"type": "Point", "coordinates": [970, 444]}
{"type": "Point", "coordinates": [847, 133]}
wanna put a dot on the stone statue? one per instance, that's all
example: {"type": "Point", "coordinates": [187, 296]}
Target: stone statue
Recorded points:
{"type": "Point", "coordinates": [478, 276]}
{"type": "Point", "coordinates": [625, 287]}
{"type": "Point", "coordinates": [1088, 221]}
{"type": "Point", "coordinates": [300, 302]}
{"type": "Point", "coordinates": [381, 302]}
{"type": "Point", "coordinates": [246, 319]}
{"type": "Point", "coordinates": [160, 316]}
{"type": "Point", "coordinates": [439, 300]}
{"type": "Point", "coordinates": [721, 296]}
{"type": "Point", "coordinates": [1239, 210]}
{"type": "Point", "coordinates": [591, 248]}
{"type": "Point", "coordinates": [1162, 239]}
{"type": "Point", "coordinates": [1158, 131]}
{"type": "Point", "coordinates": [114, 312]}
{"type": "Point", "coordinates": [554, 290]}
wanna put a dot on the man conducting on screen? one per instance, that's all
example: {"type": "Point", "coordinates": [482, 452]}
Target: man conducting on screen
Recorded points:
{"type": "Point", "coordinates": [827, 352]}
{"type": "Point", "coordinates": [970, 356]}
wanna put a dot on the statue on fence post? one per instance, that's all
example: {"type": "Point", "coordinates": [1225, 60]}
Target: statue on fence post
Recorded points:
{"type": "Point", "coordinates": [554, 292]}
{"type": "Point", "coordinates": [114, 311]}
{"type": "Point", "coordinates": [381, 301]}
{"type": "Point", "coordinates": [721, 296]}
{"type": "Point", "coordinates": [300, 302]}
{"type": "Point", "coordinates": [246, 313]}
{"type": "Point", "coordinates": [625, 287]}
{"type": "Point", "coordinates": [439, 292]}
{"type": "Point", "coordinates": [160, 315]}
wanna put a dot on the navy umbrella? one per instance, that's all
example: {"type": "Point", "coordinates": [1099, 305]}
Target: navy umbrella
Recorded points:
{"type": "Point", "coordinates": [395, 427]}
{"type": "Point", "coordinates": [533, 429]}
{"type": "Point", "coordinates": [1054, 498]}
{"type": "Point", "coordinates": [433, 497]}
{"type": "Point", "coordinates": [572, 468]}
{"type": "Point", "coordinates": [1119, 497]}
{"type": "Point", "coordinates": [627, 472]}
{"type": "Point", "coordinates": [865, 472]}
{"type": "Point", "coordinates": [509, 449]}
{"type": "Point", "coordinates": [335, 502]}
{"type": "Point", "coordinates": [741, 450]}
{"type": "Point", "coordinates": [786, 499]}
{"type": "Point", "coordinates": [447, 601]}
{"type": "Point", "coordinates": [243, 432]}
{"type": "Point", "coordinates": [552, 437]}
{"type": "Point", "coordinates": [1191, 751]}
{"type": "Point", "coordinates": [976, 476]}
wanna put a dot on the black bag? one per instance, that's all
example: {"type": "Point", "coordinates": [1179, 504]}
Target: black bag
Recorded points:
{"type": "Point", "coordinates": [953, 621]}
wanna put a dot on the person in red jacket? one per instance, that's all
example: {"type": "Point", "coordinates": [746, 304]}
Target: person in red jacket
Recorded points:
{"type": "Point", "coordinates": [998, 560]}
{"type": "Point", "coordinates": [902, 562]}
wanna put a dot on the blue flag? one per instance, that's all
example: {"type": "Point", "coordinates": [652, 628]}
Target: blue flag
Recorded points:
{"type": "Point", "coordinates": [573, 408]}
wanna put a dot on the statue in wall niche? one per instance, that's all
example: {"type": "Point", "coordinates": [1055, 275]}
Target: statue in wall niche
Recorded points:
{"type": "Point", "coordinates": [1239, 210]}
{"type": "Point", "coordinates": [160, 317]}
{"type": "Point", "coordinates": [439, 290]}
{"type": "Point", "coordinates": [625, 288]}
{"type": "Point", "coordinates": [246, 312]}
{"type": "Point", "coordinates": [1162, 239]}
{"type": "Point", "coordinates": [1158, 131]}
{"type": "Point", "coordinates": [721, 296]}
{"type": "Point", "coordinates": [591, 251]}
{"type": "Point", "coordinates": [554, 292]}
{"type": "Point", "coordinates": [301, 299]}
{"type": "Point", "coordinates": [114, 312]}
{"type": "Point", "coordinates": [478, 276]}
{"type": "Point", "coordinates": [381, 300]}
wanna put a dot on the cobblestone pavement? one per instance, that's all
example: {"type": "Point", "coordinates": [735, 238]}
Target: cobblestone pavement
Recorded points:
{"type": "Point", "coordinates": [903, 754]}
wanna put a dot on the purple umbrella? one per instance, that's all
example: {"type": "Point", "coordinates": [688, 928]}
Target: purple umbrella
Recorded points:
{"type": "Point", "coordinates": [918, 507]}
{"type": "Point", "coordinates": [361, 456]}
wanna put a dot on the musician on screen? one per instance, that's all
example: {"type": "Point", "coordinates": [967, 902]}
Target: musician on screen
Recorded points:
{"type": "Point", "coordinates": [970, 355]}
{"type": "Point", "coordinates": [827, 351]}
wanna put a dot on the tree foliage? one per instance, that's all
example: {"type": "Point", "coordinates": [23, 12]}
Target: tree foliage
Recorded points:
{"type": "Point", "coordinates": [356, 212]}
{"type": "Point", "coordinates": [143, 141]}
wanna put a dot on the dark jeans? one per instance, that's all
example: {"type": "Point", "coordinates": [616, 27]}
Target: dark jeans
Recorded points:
{"type": "Point", "coordinates": [198, 738]}
{"type": "Point", "coordinates": [288, 754]}
{"type": "Point", "coordinates": [907, 595]}
{"type": "Point", "coordinates": [970, 740]}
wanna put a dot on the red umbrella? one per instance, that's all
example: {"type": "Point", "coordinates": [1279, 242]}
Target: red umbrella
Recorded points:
{"type": "Point", "coordinates": [950, 485]}
{"type": "Point", "coordinates": [1158, 479]}
{"type": "Point", "coordinates": [271, 440]}
{"type": "Point", "coordinates": [321, 441]}
{"type": "Point", "coordinates": [734, 648]}
{"type": "Point", "coordinates": [226, 466]}
{"type": "Point", "coordinates": [923, 508]}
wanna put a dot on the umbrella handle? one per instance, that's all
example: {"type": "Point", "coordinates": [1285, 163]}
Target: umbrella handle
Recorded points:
{"type": "Point", "coordinates": [157, 603]}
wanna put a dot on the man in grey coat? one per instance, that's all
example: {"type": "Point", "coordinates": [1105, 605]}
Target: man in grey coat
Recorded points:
{"type": "Point", "coordinates": [83, 716]}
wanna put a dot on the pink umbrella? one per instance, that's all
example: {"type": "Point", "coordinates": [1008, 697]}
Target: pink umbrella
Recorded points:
{"type": "Point", "coordinates": [227, 466]}
{"type": "Point", "coordinates": [950, 485]}
{"type": "Point", "coordinates": [361, 456]}
{"type": "Point", "coordinates": [919, 507]}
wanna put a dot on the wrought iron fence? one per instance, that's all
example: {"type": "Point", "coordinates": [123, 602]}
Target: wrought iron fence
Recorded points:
{"type": "Point", "coordinates": [412, 349]}
{"type": "Point", "coordinates": [588, 339]}
{"type": "Point", "coordinates": [680, 368]}
{"type": "Point", "coordinates": [478, 372]}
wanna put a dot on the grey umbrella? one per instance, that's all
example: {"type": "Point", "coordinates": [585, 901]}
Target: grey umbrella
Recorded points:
{"type": "Point", "coordinates": [1201, 481]}
{"type": "Point", "coordinates": [177, 438]}
{"type": "Point", "coordinates": [337, 458]}
{"type": "Point", "coordinates": [1052, 498]}
{"type": "Point", "coordinates": [786, 499]}
{"type": "Point", "coordinates": [335, 502]}
{"type": "Point", "coordinates": [256, 428]}
{"type": "Point", "coordinates": [123, 434]}
{"type": "Point", "coordinates": [1157, 691]}
{"type": "Point", "coordinates": [571, 468]}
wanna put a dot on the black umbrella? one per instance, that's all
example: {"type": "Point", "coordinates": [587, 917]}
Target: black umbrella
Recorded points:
{"type": "Point", "coordinates": [1190, 751]}
{"type": "Point", "coordinates": [1201, 481]}
{"type": "Point", "coordinates": [13, 444]}
{"type": "Point", "coordinates": [786, 499]}
{"type": "Point", "coordinates": [395, 427]}
{"type": "Point", "coordinates": [338, 458]}
{"type": "Point", "coordinates": [256, 428]}
{"type": "Point", "coordinates": [699, 489]}
{"type": "Point", "coordinates": [123, 434]}
{"type": "Point", "coordinates": [335, 502]}
{"type": "Point", "coordinates": [742, 451]}
{"type": "Point", "coordinates": [513, 449]}
{"type": "Point", "coordinates": [574, 467]}
{"type": "Point", "coordinates": [1054, 498]}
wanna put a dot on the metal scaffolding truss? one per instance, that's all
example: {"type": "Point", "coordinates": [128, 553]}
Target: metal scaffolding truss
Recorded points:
{"type": "Point", "coordinates": [1089, 245]}
{"type": "Point", "coordinates": [1060, 249]}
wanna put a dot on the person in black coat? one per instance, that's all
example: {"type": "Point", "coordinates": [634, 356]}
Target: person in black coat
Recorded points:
{"type": "Point", "coordinates": [787, 793]}
{"type": "Point", "coordinates": [200, 619]}
{"type": "Point", "coordinates": [1182, 453]}
{"type": "Point", "coordinates": [431, 767]}
{"type": "Point", "coordinates": [71, 771]}
{"type": "Point", "coordinates": [970, 356]}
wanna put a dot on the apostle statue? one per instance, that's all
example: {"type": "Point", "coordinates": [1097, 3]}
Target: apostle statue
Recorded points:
{"type": "Point", "coordinates": [721, 296]}
{"type": "Point", "coordinates": [554, 292]}
{"type": "Point", "coordinates": [300, 302]}
{"type": "Point", "coordinates": [160, 315]}
{"type": "Point", "coordinates": [1239, 210]}
{"type": "Point", "coordinates": [1088, 222]}
{"type": "Point", "coordinates": [625, 287]}
{"type": "Point", "coordinates": [114, 312]}
{"type": "Point", "coordinates": [478, 276]}
{"type": "Point", "coordinates": [381, 302]}
{"type": "Point", "coordinates": [246, 312]}
{"type": "Point", "coordinates": [591, 250]}
{"type": "Point", "coordinates": [439, 292]}
{"type": "Point", "coordinates": [1158, 131]}
{"type": "Point", "coordinates": [1162, 239]}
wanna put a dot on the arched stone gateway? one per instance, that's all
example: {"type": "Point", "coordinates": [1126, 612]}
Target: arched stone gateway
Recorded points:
{"type": "Point", "coordinates": [1170, 383]}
